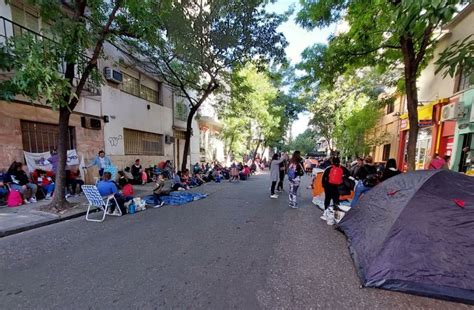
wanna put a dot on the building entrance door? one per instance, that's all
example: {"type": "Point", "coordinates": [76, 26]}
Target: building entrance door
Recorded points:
{"type": "Point", "coordinates": [467, 141]}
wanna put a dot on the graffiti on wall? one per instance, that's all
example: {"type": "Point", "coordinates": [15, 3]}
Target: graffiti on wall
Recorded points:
{"type": "Point", "coordinates": [114, 141]}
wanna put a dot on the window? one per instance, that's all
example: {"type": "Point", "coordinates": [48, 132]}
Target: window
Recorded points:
{"type": "Point", "coordinates": [142, 143]}
{"type": "Point", "coordinates": [466, 80]}
{"type": "Point", "coordinates": [133, 86]}
{"type": "Point", "coordinates": [40, 137]}
{"type": "Point", "coordinates": [24, 16]}
{"type": "Point", "coordinates": [390, 107]}
{"type": "Point", "coordinates": [148, 94]}
{"type": "Point", "coordinates": [181, 110]}
{"type": "Point", "coordinates": [386, 152]}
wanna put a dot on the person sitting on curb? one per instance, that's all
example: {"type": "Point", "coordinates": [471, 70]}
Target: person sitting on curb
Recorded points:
{"type": "Point", "coordinates": [46, 182]}
{"type": "Point", "coordinates": [163, 188]}
{"type": "Point", "coordinates": [3, 187]}
{"type": "Point", "coordinates": [368, 178]}
{"type": "Point", "coordinates": [18, 180]}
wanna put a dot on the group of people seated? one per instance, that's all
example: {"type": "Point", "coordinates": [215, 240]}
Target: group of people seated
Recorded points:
{"type": "Point", "coordinates": [353, 180]}
{"type": "Point", "coordinates": [40, 184]}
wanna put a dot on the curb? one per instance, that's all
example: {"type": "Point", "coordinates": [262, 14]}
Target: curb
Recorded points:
{"type": "Point", "coordinates": [37, 224]}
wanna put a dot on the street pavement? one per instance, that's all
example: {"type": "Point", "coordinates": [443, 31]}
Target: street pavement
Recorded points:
{"type": "Point", "coordinates": [237, 249]}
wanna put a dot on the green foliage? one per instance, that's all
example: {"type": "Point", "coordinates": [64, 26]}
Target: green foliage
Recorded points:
{"type": "Point", "coordinates": [304, 142]}
{"type": "Point", "coordinates": [373, 37]}
{"type": "Point", "coordinates": [206, 40]}
{"type": "Point", "coordinates": [256, 111]}
{"type": "Point", "coordinates": [72, 33]}
{"type": "Point", "coordinates": [458, 55]}
{"type": "Point", "coordinates": [380, 33]}
{"type": "Point", "coordinates": [347, 111]}
{"type": "Point", "coordinates": [36, 74]}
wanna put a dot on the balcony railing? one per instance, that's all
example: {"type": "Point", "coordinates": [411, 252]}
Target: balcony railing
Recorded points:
{"type": "Point", "coordinates": [10, 29]}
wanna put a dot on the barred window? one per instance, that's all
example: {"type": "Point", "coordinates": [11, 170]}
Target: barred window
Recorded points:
{"type": "Point", "coordinates": [142, 143]}
{"type": "Point", "coordinates": [40, 137]}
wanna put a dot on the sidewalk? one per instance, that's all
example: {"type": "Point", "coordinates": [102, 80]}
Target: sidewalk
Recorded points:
{"type": "Point", "coordinates": [28, 216]}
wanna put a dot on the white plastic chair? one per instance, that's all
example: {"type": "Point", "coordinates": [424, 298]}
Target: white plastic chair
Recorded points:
{"type": "Point", "coordinates": [96, 200]}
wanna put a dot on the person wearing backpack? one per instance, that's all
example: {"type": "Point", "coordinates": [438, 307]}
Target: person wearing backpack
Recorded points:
{"type": "Point", "coordinates": [295, 172]}
{"type": "Point", "coordinates": [333, 177]}
{"type": "Point", "coordinates": [368, 178]}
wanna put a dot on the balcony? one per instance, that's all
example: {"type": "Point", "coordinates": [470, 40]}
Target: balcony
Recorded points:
{"type": "Point", "coordinates": [10, 29]}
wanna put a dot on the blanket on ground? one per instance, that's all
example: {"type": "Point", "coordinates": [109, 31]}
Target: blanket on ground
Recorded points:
{"type": "Point", "coordinates": [176, 198]}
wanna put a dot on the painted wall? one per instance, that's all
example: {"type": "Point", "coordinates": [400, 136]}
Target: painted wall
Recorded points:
{"type": "Point", "coordinates": [5, 10]}
{"type": "Point", "coordinates": [88, 141]}
{"type": "Point", "coordinates": [431, 86]}
{"type": "Point", "coordinates": [128, 111]}
{"type": "Point", "coordinates": [389, 125]}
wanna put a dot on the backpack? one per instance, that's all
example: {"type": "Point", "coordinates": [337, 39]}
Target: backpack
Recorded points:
{"type": "Point", "coordinates": [291, 172]}
{"type": "Point", "coordinates": [336, 175]}
{"type": "Point", "coordinates": [14, 199]}
{"type": "Point", "coordinates": [371, 180]}
{"type": "Point", "coordinates": [127, 190]}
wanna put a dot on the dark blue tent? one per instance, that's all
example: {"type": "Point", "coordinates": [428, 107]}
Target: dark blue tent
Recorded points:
{"type": "Point", "coordinates": [410, 234]}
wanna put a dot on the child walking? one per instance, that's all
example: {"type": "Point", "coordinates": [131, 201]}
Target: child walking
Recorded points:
{"type": "Point", "coordinates": [295, 171]}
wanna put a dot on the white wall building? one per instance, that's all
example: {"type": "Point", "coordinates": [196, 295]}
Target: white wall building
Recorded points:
{"type": "Point", "coordinates": [211, 145]}
{"type": "Point", "coordinates": [134, 118]}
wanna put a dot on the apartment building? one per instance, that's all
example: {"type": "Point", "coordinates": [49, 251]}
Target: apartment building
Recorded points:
{"type": "Point", "coordinates": [446, 104]}
{"type": "Point", "coordinates": [133, 115]}
{"type": "Point", "coordinates": [386, 133]}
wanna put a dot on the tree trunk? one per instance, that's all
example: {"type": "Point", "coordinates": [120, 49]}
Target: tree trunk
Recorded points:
{"type": "Point", "coordinates": [412, 106]}
{"type": "Point", "coordinates": [59, 201]}
{"type": "Point", "coordinates": [187, 142]}
{"type": "Point", "coordinates": [410, 72]}
{"type": "Point", "coordinates": [256, 149]}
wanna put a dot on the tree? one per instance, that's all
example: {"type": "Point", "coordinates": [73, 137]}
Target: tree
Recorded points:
{"type": "Point", "coordinates": [460, 55]}
{"type": "Point", "coordinates": [77, 29]}
{"type": "Point", "coordinates": [255, 113]}
{"type": "Point", "coordinates": [206, 39]}
{"type": "Point", "coordinates": [382, 33]}
{"type": "Point", "coordinates": [304, 142]}
{"type": "Point", "coordinates": [345, 112]}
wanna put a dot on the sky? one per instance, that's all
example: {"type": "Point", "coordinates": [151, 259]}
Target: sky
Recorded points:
{"type": "Point", "coordinates": [298, 39]}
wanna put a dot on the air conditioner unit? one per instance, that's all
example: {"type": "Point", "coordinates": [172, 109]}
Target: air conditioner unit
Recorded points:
{"type": "Point", "coordinates": [169, 139]}
{"type": "Point", "coordinates": [91, 123]}
{"type": "Point", "coordinates": [451, 111]}
{"type": "Point", "coordinates": [113, 75]}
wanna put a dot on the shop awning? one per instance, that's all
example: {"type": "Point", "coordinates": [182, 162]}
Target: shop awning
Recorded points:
{"type": "Point", "coordinates": [425, 115]}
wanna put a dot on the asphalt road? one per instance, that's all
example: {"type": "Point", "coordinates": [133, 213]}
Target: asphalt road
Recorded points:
{"type": "Point", "coordinates": [237, 249]}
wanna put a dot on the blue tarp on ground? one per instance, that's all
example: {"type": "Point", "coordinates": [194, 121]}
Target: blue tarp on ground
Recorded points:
{"type": "Point", "coordinates": [177, 198]}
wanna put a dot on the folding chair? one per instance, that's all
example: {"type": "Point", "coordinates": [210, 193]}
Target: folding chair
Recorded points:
{"type": "Point", "coordinates": [96, 200]}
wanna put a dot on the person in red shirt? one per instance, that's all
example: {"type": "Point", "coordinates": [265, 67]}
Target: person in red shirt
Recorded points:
{"type": "Point", "coordinates": [73, 180]}
{"type": "Point", "coordinates": [46, 182]}
{"type": "Point", "coordinates": [437, 162]}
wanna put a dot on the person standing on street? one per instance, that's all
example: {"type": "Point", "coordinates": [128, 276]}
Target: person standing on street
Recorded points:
{"type": "Point", "coordinates": [283, 168]}
{"type": "Point", "coordinates": [295, 172]}
{"type": "Point", "coordinates": [333, 177]}
{"type": "Point", "coordinates": [101, 161]}
{"type": "Point", "coordinates": [275, 173]}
